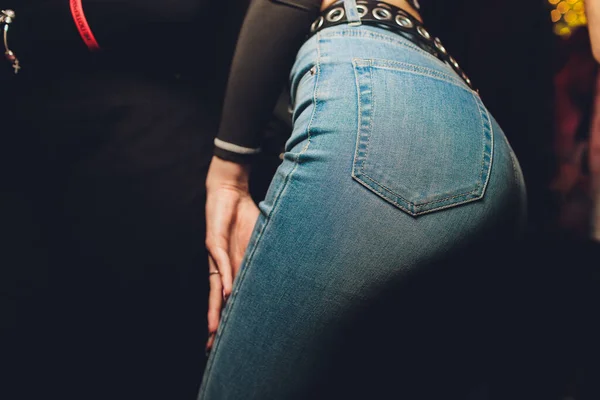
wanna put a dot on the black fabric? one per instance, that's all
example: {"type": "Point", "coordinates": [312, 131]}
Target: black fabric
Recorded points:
{"type": "Point", "coordinates": [306, 5]}
{"type": "Point", "coordinates": [105, 277]}
{"type": "Point", "coordinates": [103, 287]}
{"type": "Point", "coordinates": [269, 40]}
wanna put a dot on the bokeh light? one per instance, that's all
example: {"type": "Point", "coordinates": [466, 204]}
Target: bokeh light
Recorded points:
{"type": "Point", "coordinates": [567, 15]}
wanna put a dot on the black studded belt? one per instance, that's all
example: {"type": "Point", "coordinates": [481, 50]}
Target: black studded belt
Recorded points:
{"type": "Point", "coordinates": [393, 19]}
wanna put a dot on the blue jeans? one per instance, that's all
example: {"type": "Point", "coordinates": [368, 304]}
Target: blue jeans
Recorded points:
{"type": "Point", "coordinates": [394, 166]}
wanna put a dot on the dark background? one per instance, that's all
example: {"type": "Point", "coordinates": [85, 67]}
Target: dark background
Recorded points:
{"type": "Point", "coordinates": [103, 268]}
{"type": "Point", "coordinates": [552, 282]}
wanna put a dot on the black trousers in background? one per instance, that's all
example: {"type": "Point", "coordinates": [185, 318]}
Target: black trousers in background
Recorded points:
{"type": "Point", "coordinates": [102, 265]}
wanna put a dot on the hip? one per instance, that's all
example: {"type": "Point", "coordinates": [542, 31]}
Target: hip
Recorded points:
{"type": "Point", "coordinates": [411, 129]}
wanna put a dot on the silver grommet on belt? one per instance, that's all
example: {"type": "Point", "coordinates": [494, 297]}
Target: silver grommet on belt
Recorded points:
{"type": "Point", "coordinates": [317, 24]}
{"type": "Point", "coordinates": [335, 14]}
{"type": "Point", "coordinates": [362, 10]}
{"type": "Point", "coordinates": [382, 14]}
{"type": "Point", "coordinates": [423, 32]}
{"type": "Point", "coordinates": [404, 22]}
{"type": "Point", "coordinates": [439, 45]}
{"type": "Point", "coordinates": [466, 78]}
{"type": "Point", "coordinates": [454, 62]}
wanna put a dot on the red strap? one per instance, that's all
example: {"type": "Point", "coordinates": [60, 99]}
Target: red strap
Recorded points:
{"type": "Point", "coordinates": [82, 25]}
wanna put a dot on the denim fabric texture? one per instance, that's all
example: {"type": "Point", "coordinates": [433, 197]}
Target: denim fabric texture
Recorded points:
{"type": "Point", "coordinates": [393, 165]}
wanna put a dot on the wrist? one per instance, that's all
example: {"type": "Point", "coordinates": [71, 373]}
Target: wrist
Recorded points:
{"type": "Point", "coordinates": [227, 173]}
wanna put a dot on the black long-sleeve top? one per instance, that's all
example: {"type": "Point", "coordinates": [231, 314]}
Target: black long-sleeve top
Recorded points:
{"type": "Point", "coordinates": [162, 32]}
{"type": "Point", "coordinates": [159, 33]}
{"type": "Point", "coordinates": [270, 37]}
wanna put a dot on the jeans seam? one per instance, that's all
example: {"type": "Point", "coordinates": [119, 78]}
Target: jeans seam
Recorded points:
{"type": "Point", "coordinates": [371, 115]}
{"type": "Point", "coordinates": [294, 93]}
{"type": "Point", "coordinates": [315, 101]}
{"type": "Point", "coordinates": [250, 258]}
{"type": "Point", "coordinates": [359, 119]}
{"type": "Point", "coordinates": [483, 110]}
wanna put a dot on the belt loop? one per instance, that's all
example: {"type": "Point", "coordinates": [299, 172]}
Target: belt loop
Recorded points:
{"type": "Point", "coordinates": [352, 13]}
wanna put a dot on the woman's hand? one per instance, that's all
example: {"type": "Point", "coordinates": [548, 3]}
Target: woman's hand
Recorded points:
{"type": "Point", "coordinates": [230, 218]}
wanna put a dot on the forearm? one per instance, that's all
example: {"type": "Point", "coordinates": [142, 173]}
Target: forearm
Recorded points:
{"type": "Point", "coordinates": [593, 16]}
{"type": "Point", "coordinates": [222, 173]}
{"type": "Point", "coordinates": [270, 37]}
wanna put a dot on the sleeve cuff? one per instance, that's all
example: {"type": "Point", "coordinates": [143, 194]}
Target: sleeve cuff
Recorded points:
{"type": "Point", "coordinates": [234, 153]}
{"type": "Point", "coordinates": [234, 148]}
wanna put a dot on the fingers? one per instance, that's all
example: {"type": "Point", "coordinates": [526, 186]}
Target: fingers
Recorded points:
{"type": "Point", "coordinates": [244, 226]}
{"type": "Point", "coordinates": [237, 253]}
{"type": "Point", "coordinates": [226, 217]}
{"type": "Point", "coordinates": [223, 265]}
{"type": "Point", "coordinates": [220, 213]}
{"type": "Point", "coordinates": [215, 303]}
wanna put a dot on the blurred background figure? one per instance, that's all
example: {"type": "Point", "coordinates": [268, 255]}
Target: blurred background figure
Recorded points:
{"type": "Point", "coordinates": [594, 161]}
{"type": "Point", "coordinates": [593, 16]}
{"type": "Point", "coordinates": [576, 98]}
{"type": "Point", "coordinates": [592, 8]}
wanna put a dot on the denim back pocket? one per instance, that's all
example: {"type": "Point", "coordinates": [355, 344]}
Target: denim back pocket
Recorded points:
{"type": "Point", "coordinates": [425, 140]}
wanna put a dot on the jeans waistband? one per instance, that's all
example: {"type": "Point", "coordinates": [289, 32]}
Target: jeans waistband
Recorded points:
{"type": "Point", "coordinates": [393, 19]}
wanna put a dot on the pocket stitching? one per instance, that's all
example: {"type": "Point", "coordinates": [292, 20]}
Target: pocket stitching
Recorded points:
{"type": "Point", "coordinates": [380, 36]}
{"type": "Point", "coordinates": [362, 169]}
{"type": "Point", "coordinates": [491, 138]}
{"type": "Point", "coordinates": [367, 65]}
{"type": "Point", "coordinates": [413, 69]}
{"type": "Point", "coordinates": [390, 191]}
